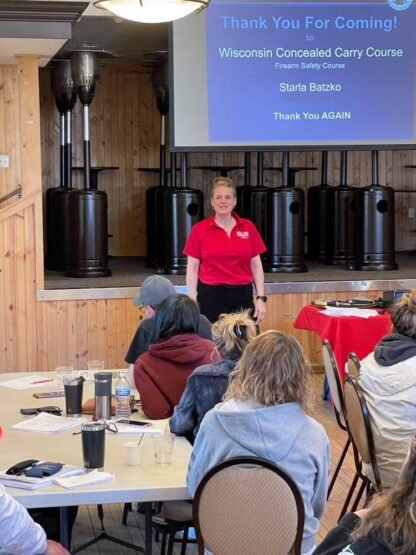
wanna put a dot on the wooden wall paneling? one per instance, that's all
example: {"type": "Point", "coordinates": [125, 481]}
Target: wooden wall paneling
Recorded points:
{"type": "Point", "coordinates": [29, 123]}
{"type": "Point", "coordinates": [72, 336]}
{"type": "Point", "coordinates": [21, 301]}
{"type": "Point", "coordinates": [29, 262]}
{"type": "Point", "coordinates": [10, 294]}
{"type": "Point", "coordinates": [53, 337]}
{"type": "Point", "coordinates": [102, 326]}
{"type": "Point", "coordinates": [92, 330]}
{"type": "Point", "coordinates": [113, 338]}
{"type": "Point", "coordinates": [123, 339]}
{"type": "Point", "coordinates": [405, 226]}
{"type": "Point", "coordinates": [62, 335]}
{"type": "Point", "coordinates": [3, 306]}
{"type": "Point", "coordinates": [3, 180]}
{"type": "Point", "coordinates": [127, 181]}
{"type": "Point", "coordinates": [82, 347]}
{"type": "Point", "coordinates": [13, 139]}
{"type": "Point", "coordinates": [42, 337]}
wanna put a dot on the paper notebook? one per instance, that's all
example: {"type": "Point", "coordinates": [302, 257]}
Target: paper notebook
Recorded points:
{"type": "Point", "coordinates": [26, 482]}
{"type": "Point", "coordinates": [45, 423]}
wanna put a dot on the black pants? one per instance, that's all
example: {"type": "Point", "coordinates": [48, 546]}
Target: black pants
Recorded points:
{"type": "Point", "coordinates": [214, 300]}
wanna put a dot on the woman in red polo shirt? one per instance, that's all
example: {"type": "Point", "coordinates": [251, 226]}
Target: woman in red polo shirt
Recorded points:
{"type": "Point", "coordinates": [224, 259]}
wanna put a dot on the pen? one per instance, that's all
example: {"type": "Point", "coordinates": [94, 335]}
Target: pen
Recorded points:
{"type": "Point", "coordinates": [41, 381]}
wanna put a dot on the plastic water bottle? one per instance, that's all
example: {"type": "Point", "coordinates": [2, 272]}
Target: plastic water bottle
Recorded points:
{"type": "Point", "coordinates": [122, 396]}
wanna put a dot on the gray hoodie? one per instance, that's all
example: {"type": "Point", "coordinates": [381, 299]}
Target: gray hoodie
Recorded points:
{"type": "Point", "coordinates": [280, 433]}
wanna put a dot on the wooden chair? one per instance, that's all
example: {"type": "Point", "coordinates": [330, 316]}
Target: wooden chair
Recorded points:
{"type": "Point", "coordinates": [361, 435]}
{"type": "Point", "coordinates": [337, 396]}
{"type": "Point", "coordinates": [354, 366]}
{"type": "Point", "coordinates": [247, 506]}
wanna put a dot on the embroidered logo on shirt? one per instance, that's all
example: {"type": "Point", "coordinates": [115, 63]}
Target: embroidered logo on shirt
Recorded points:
{"type": "Point", "coordinates": [243, 234]}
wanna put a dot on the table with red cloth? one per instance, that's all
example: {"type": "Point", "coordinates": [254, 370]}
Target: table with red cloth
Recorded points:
{"type": "Point", "coordinates": [346, 334]}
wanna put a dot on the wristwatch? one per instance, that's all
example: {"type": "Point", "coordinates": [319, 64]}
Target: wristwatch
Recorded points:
{"type": "Point", "coordinates": [261, 298]}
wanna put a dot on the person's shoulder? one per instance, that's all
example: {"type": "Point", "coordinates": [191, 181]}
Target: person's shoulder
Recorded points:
{"type": "Point", "coordinates": [220, 368]}
{"type": "Point", "coordinates": [315, 429]}
{"type": "Point", "coordinates": [147, 324]}
{"type": "Point", "coordinates": [246, 223]}
{"type": "Point", "coordinates": [202, 225]}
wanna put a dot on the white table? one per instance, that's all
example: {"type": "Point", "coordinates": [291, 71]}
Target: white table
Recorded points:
{"type": "Point", "coordinates": [145, 483]}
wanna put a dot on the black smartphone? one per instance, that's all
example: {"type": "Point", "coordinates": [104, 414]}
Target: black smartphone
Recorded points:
{"type": "Point", "coordinates": [48, 394]}
{"type": "Point", "coordinates": [33, 411]}
{"type": "Point", "coordinates": [18, 468]}
{"type": "Point", "coordinates": [134, 422]}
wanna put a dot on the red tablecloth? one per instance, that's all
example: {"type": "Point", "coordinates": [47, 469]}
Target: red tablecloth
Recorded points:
{"type": "Point", "coordinates": [345, 333]}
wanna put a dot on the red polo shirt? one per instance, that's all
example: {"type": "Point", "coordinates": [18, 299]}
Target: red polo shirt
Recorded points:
{"type": "Point", "coordinates": [224, 259]}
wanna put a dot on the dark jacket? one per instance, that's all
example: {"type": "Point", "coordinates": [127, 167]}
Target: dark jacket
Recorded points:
{"type": "Point", "coordinates": [141, 340]}
{"type": "Point", "coordinates": [338, 541]}
{"type": "Point", "coordinates": [160, 374]}
{"type": "Point", "coordinates": [205, 388]}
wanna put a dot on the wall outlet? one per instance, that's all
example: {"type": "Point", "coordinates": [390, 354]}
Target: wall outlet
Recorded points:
{"type": "Point", "coordinates": [4, 160]}
{"type": "Point", "coordinates": [411, 213]}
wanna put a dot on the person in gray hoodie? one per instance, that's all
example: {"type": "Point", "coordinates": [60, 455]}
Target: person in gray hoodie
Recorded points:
{"type": "Point", "coordinates": [264, 415]}
{"type": "Point", "coordinates": [388, 380]}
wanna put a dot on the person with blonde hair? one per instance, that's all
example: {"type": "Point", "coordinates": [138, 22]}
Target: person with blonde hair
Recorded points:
{"type": "Point", "coordinates": [224, 259]}
{"type": "Point", "coordinates": [387, 527]}
{"type": "Point", "coordinates": [264, 415]}
{"type": "Point", "coordinates": [388, 380]}
{"type": "Point", "coordinates": [207, 384]}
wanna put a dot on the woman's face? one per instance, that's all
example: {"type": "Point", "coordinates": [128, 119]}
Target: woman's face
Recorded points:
{"type": "Point", "coordinates": [223, 201]}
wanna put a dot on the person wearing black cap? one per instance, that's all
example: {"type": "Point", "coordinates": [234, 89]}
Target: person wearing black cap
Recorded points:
{"type": "Point", "coordinates": [154, 290]}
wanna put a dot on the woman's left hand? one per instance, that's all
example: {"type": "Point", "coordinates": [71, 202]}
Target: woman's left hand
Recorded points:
{"type": "Point", "coordinates": [260, 310]}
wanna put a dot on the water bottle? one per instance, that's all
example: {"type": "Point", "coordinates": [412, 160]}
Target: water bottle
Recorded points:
{"type": "Point", "coordinates": [122, 396]}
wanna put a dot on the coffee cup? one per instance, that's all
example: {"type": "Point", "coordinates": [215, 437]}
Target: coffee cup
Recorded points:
{"type": "Point", "coordinates": [133, 453]}
{"type": "Point", "coordinates": [93, 445]}
{"type": "Point", "coordinates": [73, 387]}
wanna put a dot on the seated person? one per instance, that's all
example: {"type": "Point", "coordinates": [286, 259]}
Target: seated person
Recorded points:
{"type": "Point", "coordinates": [388, 379]}
{"type": "Point", "coordinates": [207, 384]}
{"type": "Point", "coordinates": [387, 527]}
{"type": "Point", "coordinates": [264, 415]}
{"type": "Point", "coordinates": [18, 532]}
{"type": "Point", "coordinates": [153, 291]}
{"type": "Point", "coordinates": [175, 351]}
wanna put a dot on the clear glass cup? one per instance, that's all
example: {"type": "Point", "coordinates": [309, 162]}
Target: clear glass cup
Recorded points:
{"type": "Point", "coordinates": [62, 371]}
{"type": "Point", "coordinates": [163, 447]}
{"type": "Point", "coordinates": [93, 367]}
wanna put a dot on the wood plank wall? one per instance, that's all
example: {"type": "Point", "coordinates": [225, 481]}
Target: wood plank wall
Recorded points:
{"type": "Point", "coordinates": [125, 127]}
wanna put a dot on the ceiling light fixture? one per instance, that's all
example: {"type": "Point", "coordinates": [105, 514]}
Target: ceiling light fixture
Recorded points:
{"type": "Point", "coordinates": [152, 11]}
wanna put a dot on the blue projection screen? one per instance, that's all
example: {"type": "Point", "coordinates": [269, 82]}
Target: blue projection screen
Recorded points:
{"type": "Point", "coordinates": [295, 75]}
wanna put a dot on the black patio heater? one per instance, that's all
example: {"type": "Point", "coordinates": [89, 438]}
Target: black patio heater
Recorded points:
{"type": "Point", "coordinates": [285, 226]}
{"type": "Point", "coordinates": [375, 246]}
{"type": "Point", "coordinates": [341, 219]}
{"type": "Point", "coordinates": [87, 207]}
{"type": "Point", "coordinates": [183, 207]}
{"type": "Point", "coordinates": [155, 239]}
{"type": "Point", "coordinates": [57, 220]}
{"type": "Point", "coordinates": [318, 214]}
{"type": "Point", "coordinates": [252, 200]}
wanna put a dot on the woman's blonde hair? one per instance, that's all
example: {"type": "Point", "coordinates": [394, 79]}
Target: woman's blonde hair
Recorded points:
{"type": "Point", "coordinates": [392, 516]}
{"type": "Point", "coordinates": [403, 315]}
{"type": "Point", "coordinates": [223, 182]}
{"type": "Point", "coordinates": [271, 371]}
{"type": "Point", "coordinates": [232, 332]}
